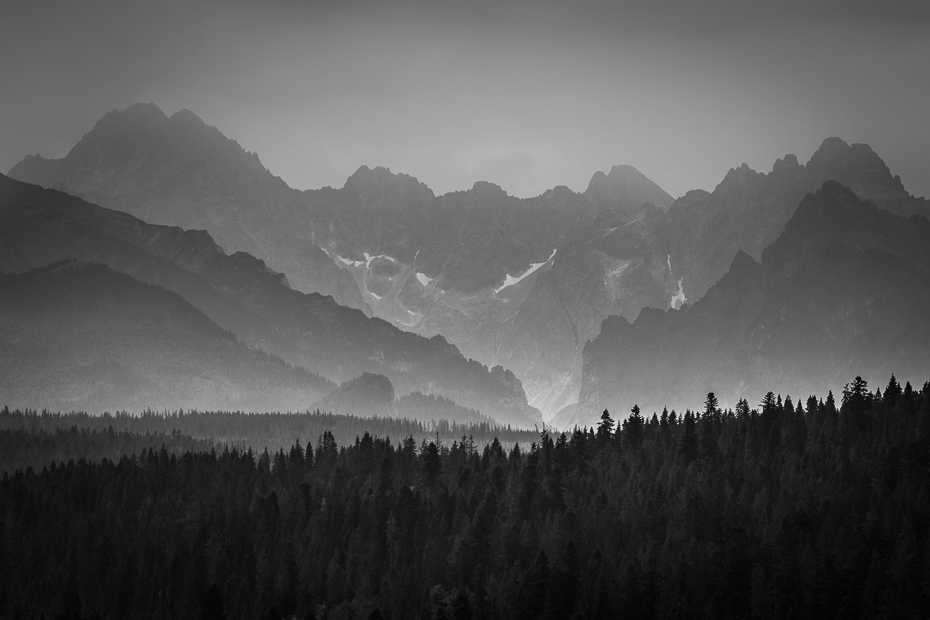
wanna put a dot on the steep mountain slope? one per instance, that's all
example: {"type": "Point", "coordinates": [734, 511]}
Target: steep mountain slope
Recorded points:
{"type": "Point", "coordinates": [241, 294]}
{"type": "Point", "coordinates": [82, 336]}
{"type": "Point", "coordinates": [843, 291]}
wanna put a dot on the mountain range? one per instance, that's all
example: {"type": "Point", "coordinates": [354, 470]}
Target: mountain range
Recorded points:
{"type": "Point", "coordinates": [521, 284]}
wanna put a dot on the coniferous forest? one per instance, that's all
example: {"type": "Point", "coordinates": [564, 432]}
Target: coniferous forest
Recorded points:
{"type": "Point", "coordinates": [785, 509]}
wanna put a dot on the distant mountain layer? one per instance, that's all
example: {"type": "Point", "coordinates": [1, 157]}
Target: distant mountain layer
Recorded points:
{"type": "Point", "coordinates": [79, 336]}
{"type": "Point", "coordinates": [244, 296]}
{"type": "Point", "coordinates": [374, 395]}
{"type": "Point", "coordinates": [523, 284]}
{"type": "Point", "coordinates": [843, 291]}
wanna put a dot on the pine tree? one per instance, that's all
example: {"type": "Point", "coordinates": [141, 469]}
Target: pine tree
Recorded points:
{"type": "Point", "coordinates": [633, 428]}
{"type": "Point", "coordinates": [689, 441]}
{"type": "Point", "coordinates": [606, 427]}
{"type": "Point", "coordinates": [711, 406]}
{"type": "Point", "coordinates": [431, 465]}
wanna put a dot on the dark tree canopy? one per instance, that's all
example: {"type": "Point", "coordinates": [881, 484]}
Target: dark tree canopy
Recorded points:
{"type": "Point", "coordinates": [782, 511]}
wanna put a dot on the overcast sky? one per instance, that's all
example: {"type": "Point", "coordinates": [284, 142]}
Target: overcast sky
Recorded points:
{"type": "Point", "coordinates": [528, 95]}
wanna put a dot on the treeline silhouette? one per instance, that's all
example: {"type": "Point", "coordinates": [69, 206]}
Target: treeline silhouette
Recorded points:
{"type": "Point", "coordinates": [22, 449]}
{"type": "Point", "coordinates": [123, 433]}
{"type": "Point", "coordinates": [813, 510]}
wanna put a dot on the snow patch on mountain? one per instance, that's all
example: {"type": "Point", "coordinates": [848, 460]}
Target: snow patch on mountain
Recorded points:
{"type": "Point", "coordinates": [350, 262]}
{"type": "Point", "coordinates": [423, 278]}
{"type": "Point", "coordinates": [369, 258]}
{"type": "Point", "coordinates": [678, 298]}
{"type": "Point", "coordinates": [511, 280]}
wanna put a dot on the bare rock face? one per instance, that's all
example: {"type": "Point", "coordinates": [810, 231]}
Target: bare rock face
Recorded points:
{"type": "Point", "coordinates": [843, 291]}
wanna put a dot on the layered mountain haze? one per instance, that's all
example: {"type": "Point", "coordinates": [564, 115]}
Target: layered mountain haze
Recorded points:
{"type": "Point", "coordinates": [843, 291]}
{"type": "Point", "coordinates": [480, 268]}
{"type": "Point", "coordinates": [244, 296]}
{"type": "Point", "coordinates": [374, 394]}
{"type": "Point", "coordinates": [522, 284]}
{"type": "Point", "coordinates": [80, 336]}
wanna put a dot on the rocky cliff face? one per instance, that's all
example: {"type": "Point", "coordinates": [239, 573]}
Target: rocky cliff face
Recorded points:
{"type": "Point", "coordinates": [843, 291]}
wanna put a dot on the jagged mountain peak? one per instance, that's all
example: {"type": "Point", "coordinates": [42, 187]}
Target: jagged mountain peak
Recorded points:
{"type": "Point", "coordinates": [370, 184]}
{"type": "Point", "coordinates": [149, 131]}
{"type": "Point", "coordinates": [786, 165]}
{"type": "Point", "coordinates": [138, 114]}
{"type": "Point", "coordinates": [856, 165]}
{"type": "Point", "coordinates": [741, 260]}
{"type": "Point", "coordinates": [742, 175]}
{"type": "Point", "coordinates": [618, 173]}
{"type": "Point", "coordinates": [625, 189]}
{"type": "Point", "coordinates": [835, 217]}
{"type": "Point", "coordinates": [186, 116]}
{"type": "Point", "coordinates": [486, 188]}
{"type": "Point", "coordinates": [834, 152]}
{"type": "Point", "coordinates": [832, 207]}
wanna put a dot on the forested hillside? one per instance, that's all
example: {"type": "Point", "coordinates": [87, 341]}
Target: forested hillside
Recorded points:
{"type": "Point", "coordinates": [813, 509]}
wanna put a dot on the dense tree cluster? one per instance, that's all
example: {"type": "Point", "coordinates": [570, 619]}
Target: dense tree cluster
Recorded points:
{"type": "Point", "coordinates": [258, 431]}
{"type": "Point", "coordinates": [812, 509]}
{"type": "Point", "coordinates": [22, 449]}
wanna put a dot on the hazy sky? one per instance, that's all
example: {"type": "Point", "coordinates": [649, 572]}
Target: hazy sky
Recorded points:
{"type": "Point", "coordinates": [528, 95]}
